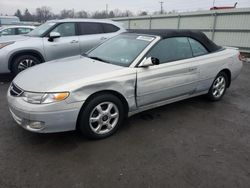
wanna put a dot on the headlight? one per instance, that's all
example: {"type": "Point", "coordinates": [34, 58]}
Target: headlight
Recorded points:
{"type": "Point", "coordinates": [54, 97]}
{"type": "Point", "coordinates": [44, 98]}
{"type": "Point", "coordinates": [2, 45]}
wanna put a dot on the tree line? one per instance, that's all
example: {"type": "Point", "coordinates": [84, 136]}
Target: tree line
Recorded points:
{"type": "Point", "coordinates": [45, 13]}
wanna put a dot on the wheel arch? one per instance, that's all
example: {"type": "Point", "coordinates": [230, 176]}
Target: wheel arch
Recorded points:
{"type": "Point", "coordinates": [228, 73]}
{"type": "Point", "coordinates": [24, 52]}
{"type": "Point", "coordinates": [112, 92]}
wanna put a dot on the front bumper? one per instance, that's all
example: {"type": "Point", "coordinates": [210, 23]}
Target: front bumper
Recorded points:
{"type": "Point", "coordinates": [57, 117]}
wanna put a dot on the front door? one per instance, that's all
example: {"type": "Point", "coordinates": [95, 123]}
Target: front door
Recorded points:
{"type": "Point", "coordinates": [64, 46]}
{"type": "Point", "coordinates": [175, 76]}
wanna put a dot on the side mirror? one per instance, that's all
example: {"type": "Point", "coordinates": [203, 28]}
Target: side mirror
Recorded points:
{"type": "Point", "coordinates": [150, 61]}
{"type": "Point", "coordinates": [54, 35]}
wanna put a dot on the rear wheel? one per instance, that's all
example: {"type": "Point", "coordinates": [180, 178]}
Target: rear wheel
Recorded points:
{"type": "Point", "coordinates": [101, 117]}
{"type": "Point", "coordinates": [218, 87]}
{"type": "Point", "coordinates": [23, 62]}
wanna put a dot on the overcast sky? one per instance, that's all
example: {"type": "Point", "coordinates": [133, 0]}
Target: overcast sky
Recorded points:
{"type": "Point", "coordinates": [10, 6]}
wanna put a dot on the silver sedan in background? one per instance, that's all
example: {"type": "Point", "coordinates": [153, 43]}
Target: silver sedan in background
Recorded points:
{"type": "Point", "coordinates": [15, 30]}
{"type": "Point", "coordinates": [125, 75]}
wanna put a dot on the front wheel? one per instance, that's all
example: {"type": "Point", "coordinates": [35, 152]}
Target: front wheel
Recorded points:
{"type": "Point", "coordinates": [101, 117]}
{"type": "Point", "coordinates": [23, 62]}
{"type": "Point", "coordinates": [219, 87]}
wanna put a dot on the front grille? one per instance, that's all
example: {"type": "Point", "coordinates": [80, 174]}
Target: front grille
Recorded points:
{"type": "Point", "coordinates": [15, 90]}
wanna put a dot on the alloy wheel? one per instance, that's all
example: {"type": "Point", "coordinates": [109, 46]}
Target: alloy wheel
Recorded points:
{"type": "Point", "coordinates": [219, 87]}
{"type": "Point", "coordinates": [104, 117]}
{"type": "Point", "coordinates": [26, 63]}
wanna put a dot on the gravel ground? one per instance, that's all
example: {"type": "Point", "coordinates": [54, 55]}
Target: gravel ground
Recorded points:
{"type": "Point", "coordinates": [192, 143]}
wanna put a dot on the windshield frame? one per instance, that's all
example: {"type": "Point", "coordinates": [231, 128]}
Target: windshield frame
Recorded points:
{"type": "Point", "coordinates": [138, 57]}
{"type": "Point", "coordinates": [143, 54]}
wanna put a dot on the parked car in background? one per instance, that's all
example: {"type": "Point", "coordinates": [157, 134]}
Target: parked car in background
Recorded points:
{"type": "Point", "coordinates": [15, 30]}
{"type": "Point", "coordinates": [125, 75]}
{"type": "Point", "coordinates": [53, 40]}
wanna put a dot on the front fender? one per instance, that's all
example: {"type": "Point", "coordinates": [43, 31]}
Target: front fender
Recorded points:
{"type": "Point", "coordinates": [124, 84]}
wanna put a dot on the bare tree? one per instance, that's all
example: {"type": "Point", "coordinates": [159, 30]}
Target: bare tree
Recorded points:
{"type": "Point", "coordinates": [67, 13]}
{"type": "Point", "coordinates": [18, 13]}
{"type": "Point", "coordinates": [111, 14]}
{"type": "Point", "coordinates": [99, 14]}
{"type": "Point", "coordinates": [27, 16]}
{"type": "Point", "coordinates": [119, 13]}
{"type": "Point", "coordinates": [143, 13]}
{"type": "Point", "coordinates": [128, 13]}
{"type": "Point", "coordinates": [43, 14]}
{"type": "Point", "coordinates": [82, 14]}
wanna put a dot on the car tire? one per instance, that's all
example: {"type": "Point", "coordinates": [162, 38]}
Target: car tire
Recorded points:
{"type": "Point", "coordinates": [101, 116]}
{"type": "Point", "coordinates": [219, 87]}
{"type": "Point", "coordinates": [23, 62]}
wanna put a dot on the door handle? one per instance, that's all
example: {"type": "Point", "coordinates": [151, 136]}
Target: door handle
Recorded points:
{"type": "Point", "coordinates": [192, 69]}
{"type": "Point", "coordinates": [103, 38]}
{"type": "Point", "coordinates": [74, 41]}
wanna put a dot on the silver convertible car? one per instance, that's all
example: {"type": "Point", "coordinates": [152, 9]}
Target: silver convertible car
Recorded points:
{"type": "Point", "coordinates": [130, 73]}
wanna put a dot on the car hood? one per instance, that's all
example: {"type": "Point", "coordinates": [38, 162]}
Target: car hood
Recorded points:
{"type": "Point", "coordinates": [63, 74]}
{"type": "Point", "coordinates": [13, 38]}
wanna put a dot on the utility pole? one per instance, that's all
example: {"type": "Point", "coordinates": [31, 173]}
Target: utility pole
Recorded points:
{"type": "Point", "coordinates": [213, 3]}
{"type": "Point", "coordinates": [161, 2]}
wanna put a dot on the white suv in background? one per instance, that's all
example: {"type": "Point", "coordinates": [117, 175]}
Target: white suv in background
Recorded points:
{"type": "Point", "coordinates": [53, 40]}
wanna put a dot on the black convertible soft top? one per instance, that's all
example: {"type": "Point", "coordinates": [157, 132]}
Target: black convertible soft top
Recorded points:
{"type": "Point", "coordinates": [168, 33]}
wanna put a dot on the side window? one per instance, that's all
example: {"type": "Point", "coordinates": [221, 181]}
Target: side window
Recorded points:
{"type": "Point", "coordinates": [197, 48]}
{"type": "Point", "coordinates": [171, 49]}
{"type": "Point", "coordinates": [109, 28]}
{"type": "Point", "coordinates": [90, 28]}
{"type": "Point", "coordinates": [66, 29]}
{"type": "Point", "coordinates": [10, 31]}
{"type": "Point", "coordinates": [21, 31]}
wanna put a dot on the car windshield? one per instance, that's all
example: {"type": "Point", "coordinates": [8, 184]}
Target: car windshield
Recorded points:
{"type": "Point", "coordinates": [121, 50]}
{"type": "Point", "coordinates": [41, 30]}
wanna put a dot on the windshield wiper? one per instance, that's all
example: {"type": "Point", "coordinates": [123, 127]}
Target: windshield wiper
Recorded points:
{"type": "Point", "coordinates": [98, 59]}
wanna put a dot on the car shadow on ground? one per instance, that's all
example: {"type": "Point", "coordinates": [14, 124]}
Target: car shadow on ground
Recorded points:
{"type": "Point", "coordinates": [6, 77]}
